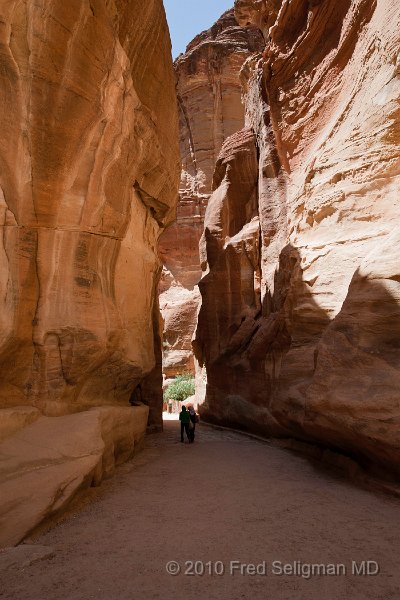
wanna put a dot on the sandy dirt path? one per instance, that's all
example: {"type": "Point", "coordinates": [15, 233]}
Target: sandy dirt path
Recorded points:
{"type": "Point", "coordinates": [225, 498]}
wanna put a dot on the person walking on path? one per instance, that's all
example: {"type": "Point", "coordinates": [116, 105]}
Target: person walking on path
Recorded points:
{"type": "Point", "coordinates": [184, 417]}
{"type": "Point", "coordinates": [194, 419]}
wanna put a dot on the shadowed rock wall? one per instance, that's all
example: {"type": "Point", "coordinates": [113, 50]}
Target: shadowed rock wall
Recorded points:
{"type": "Point", "coordinates": [298, 328]}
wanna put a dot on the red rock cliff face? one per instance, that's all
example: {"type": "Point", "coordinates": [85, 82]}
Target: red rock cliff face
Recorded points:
{"type": "Point", "coordinates": [88, 179]}
{"type": "Point", "coordinates": [89, 171]}
{"type": "Point", "coordinates": [299, 325]}
{"type": "Point", "coordinates": [210, 110]}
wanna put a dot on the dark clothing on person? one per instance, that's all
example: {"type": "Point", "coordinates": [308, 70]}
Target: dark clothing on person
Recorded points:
{"type": "Point", "coordinates": [184, 415]}
{"type": "Point", "coordinates": [185, 427]}
{"type": "Point", "coordinates": [184, 418]}
{"type": "Point", "coordinates": [193, 418]}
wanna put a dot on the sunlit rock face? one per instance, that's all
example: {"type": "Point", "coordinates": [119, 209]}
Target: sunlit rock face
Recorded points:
{"type": "Point", "coordinates": [210, 110]}
{"type": "Point", "coordinates": [89, 172]}
{"type": "Point", "coordinates": [49, 462]}
{"type": "Point", "coordinates": [88, 178]}
{"type": "Point", "coordinates": [299, 325]}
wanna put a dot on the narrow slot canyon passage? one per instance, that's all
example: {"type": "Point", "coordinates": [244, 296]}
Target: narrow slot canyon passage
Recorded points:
{"type": "Point", "coordinates": [200, 231]}
{"type": "Point", "coordinates": [225, 498]}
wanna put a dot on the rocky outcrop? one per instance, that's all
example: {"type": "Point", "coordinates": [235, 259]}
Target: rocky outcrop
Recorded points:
{"type": "Point", "coordinates": [45, 465]}
{"type": "Point", "coordinates": [298, 328]}
{"type": "Point", "coordinates": [179, 307]}
{"type": "Point", "coordinates": [87, 181]}
{"type": "Point", "coordinates": [210, 110]}
{"type": "Point", "coordinates": [89, 170]}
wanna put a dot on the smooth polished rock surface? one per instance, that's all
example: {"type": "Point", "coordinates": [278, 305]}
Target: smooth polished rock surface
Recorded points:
{"type": "Point", "coordinates": [46, 464]}
{"type": "Point", "coordinates": [298, 328]}
{"type": "Point", "coordinates": [89, 173]}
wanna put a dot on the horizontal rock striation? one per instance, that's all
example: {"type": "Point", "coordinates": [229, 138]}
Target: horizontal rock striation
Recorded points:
{"type": "Point", "coordinates": [298, 328]}
{"type": "Point", "coordinates": [89, 170]}
{"type": "Point", "coordinates": [44, 466]}
{"type": "Point", "coordinates": [88, 179]}
{"type": "Point", "coordinates": [210, 110]}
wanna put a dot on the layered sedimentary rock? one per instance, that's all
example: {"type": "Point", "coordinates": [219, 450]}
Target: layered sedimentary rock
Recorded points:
{"type": "Point", "coordinates": [179, 308]}
{"type": "Point", "coordinates": [210, 110]}
{"type": "Point", "coordinates": [299, 324]}
{"type": "Point", "coordinates": [46, 464]}
{"type": "Point", "coordinates": [88, 177]}
{"type": "Point", "coordinates": [89, 170]}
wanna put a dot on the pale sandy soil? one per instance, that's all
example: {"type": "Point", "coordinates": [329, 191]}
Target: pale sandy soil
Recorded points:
{"type": "Point", "coordinates": [170, 416]}
{"type": "Point", "coordinates": [225, 498]}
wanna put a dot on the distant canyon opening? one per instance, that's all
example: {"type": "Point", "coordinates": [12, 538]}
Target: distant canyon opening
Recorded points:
{"type": "Point", "coordinates": [210, 110]}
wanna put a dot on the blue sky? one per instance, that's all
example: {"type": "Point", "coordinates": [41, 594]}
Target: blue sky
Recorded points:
{"type": "Point", "coordinates": [187, 18]}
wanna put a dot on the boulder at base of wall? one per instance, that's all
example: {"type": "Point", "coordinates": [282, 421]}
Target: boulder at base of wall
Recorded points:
{"type": "Point", "coordinates": [43, 466]}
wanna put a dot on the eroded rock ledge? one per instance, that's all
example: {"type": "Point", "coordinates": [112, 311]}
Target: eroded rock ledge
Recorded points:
{"type": "Point", "coordinates": [300, 316]}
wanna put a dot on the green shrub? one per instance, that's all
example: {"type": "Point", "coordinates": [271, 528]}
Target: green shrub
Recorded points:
{"type": "Point", "coordinates": [181, 388]}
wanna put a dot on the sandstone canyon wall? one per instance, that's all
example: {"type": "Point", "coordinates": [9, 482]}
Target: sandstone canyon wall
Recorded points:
{"type": "Point", "coordinates": [300, 322]}
{"type": "Point", "coordinates": [210, 110]}
{"type": "Point", "coordinates": [89, 170]}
